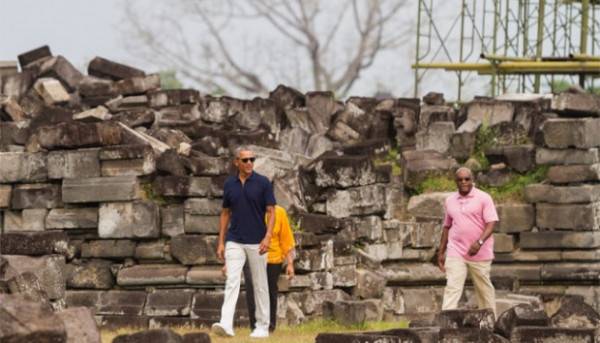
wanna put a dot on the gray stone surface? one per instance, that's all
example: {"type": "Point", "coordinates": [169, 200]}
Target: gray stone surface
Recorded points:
{"type": "Point", "coordinates": [172, 220]}
{"type": "Point", "coordinates": [194, 249]}
{"type": "Point", "coordinates": [73, 164]}
{"type": "Point", "coordinates": [560, 240]}
{"type": "Point", "coordinates": [420, 165]}
{"type": "Point", "coordinates": [38, 195]}
{"type": "Point", "coordinates": [579, 217]}
{"type": "Point", "coordinates": [436, 137]}
{"type": "Point", "coordinates": [23, 167]}
{"type": "Point", "coordinates": [571, 272]}
{"type": "Point", "coordinates": [428, 205]}
{"type": "Point", "coordinates": [566, 156]}
{"type": "Point", "coordinates": [23, 320]}
{"type": "Point", "coordinates": [50, 271]}
{"type": "Point", "coordinates": [34, 219]}
{"type": "Point", "coordinates": [363, 200]}
{"type": "Point", "coordinates": [490, 113]}
{"type": "Point", "coordinates": [515, 217]}
{"type": "Point", "coordinates": [138, 219]}
{"type": "Point", "coordinates": [536, 193]}
{"type": "Point", "coordinates": [72, 218]}
{"type": "Point", "coordinates": [201, 224]}
{"type": "Point", "coordinates": [344, 171]}
{"type": "Point", "coordinates": [581, 133]}
{"type": "Point", "coordinates": [206, 275]}
{"type": "Point", "coordinates": [34, 243]}
{"type": "Point", "coordinates": [168, 303]}
{"type": "Point", "coordinates": [531, 334]}
{"type": "Point", "coordinates": [576, 104]}
{"type": "Point", "coordinates": [503, 243]}
{"type": "Point", "coordinates": [152, 274]}
{"type": "Point", "coordinates": [121, 303]}
{"type": "Point", "coordinates": [5, 195]}
{"type": "Point", "coordinates": [369, 284]}
{"type": "Point", "coordinates": [80, 325]}
{"type": "Point", "coordinates": [100, 189]}
{"type": "Point", "coordinates": [574, 173]}
{"type": "Point", "coordinates": [152, 250]}
{"type": "Point", "coordinates": [108, 248]}
{"type": "Point", "coordinates": [460, 319]}
{"type": "Point", "coordinates": [95, 274]}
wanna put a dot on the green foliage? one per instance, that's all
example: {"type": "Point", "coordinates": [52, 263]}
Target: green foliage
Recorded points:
{"type": "Point", "coordinates": [436, 184]}
{"type": "Point", "coordinates": [486, 138]}
{"type": "Point", "coordinates": [558, 86]}
{"type": "Point", "coordinates": [168, 80]}
{"type": "Point", "coordinates": [151, 195]}
{"type": "Point", "coordinates": [513, 190]}
{"type": "Point", "coordinates": [391, 158]}
{"type": "Point", "coordinates": [295, 224]}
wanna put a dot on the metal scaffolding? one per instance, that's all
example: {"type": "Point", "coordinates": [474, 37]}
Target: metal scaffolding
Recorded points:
{"type": "Point", "coordinates": [521, 45]}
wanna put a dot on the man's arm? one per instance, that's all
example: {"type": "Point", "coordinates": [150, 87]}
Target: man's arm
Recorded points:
{"type": "Point", "coordinates": [441, 257]}
{"type": "Point", "coordinates": [223, 225]}
{"type": "Point", "coordinates": [487, 232]}
{"type": "Point", "coordinates": [266, 242]}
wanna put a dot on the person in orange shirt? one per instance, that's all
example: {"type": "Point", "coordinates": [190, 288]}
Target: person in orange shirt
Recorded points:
{"type": "Point", "coordinates": [281, 249]}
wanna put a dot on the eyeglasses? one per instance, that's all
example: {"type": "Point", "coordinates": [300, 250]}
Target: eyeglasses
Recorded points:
{"type": "Point", "coordinates": [463, 179]}
{"type": "Point", "coordinates": [248, 159]}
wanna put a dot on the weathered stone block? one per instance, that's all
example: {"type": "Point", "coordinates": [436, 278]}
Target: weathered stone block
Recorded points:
{"type": "Point", "coordinates": [50, 271]}
{"type": "Point", "coordinates": [168, 303]}
{"type": "Point", "coordinates": [531, 334]}
{"type": "Point", "coordinates": [566, 156]}
{"type": "Point", "coordinates": [562, 194]}
{"type": "Point", "coordinates": [121, 303]}
{"type": "Point", "coordinates": [201, 224]}
{"type": "Point", "coordinates": [100, 189]}
{"type": "Point", "coordinates": [344, 171]}
{"type": "Point", "coordinates": [463, 319]}
{"type": "Point", "coordinates": [24, 320]}
{"type": "Point", "coordinates": [436, 137]}
{"type": "Point", "coordinates": [515, 217]}
{"type": "Point", "coordinates": [34, 243]}
{"type": "Point", "coordinates": [518, 157]}
{"type": "Point", "coordinates": [435, 113]}
{"type": "Point", "coordinates": [576, 104]}
{"type": "Point", "coordinates": [194, 249]}
{"type": "Point", "coordinates": [153, 335]}
{"type": "Point", "coordinates": [581, 133]}
{"type": "Point", "coordinates": [321, 224]}
{"type": "Point", "coordinates": [369, 284]}
{"type": "Point", "coordinates": [205, 275]}
{"type": "Point", "coordinates": [93, 275]}
{"type": "Point", "coordinates": [574, 173]}
{"type": "Point", "coordinates": [420, 165]}
{"type": "Point", "coordinates": [72, 218]}
{"type": "Point", "coordinates": [574, 313]}
{"type": "Point", "coordinates": [39, 195]}
{"type": "Point", "coordinates": [60, 68]}
{"type": "Point", "coordinates": [568, 216]}
{"type": "Point", "coordinates": [73, 164]}
{"type": "Point", "coordinates": [34, 219]}
{"type": "Point", "coordinates": [425, 235]}
{"type": "Point", "coordinates": [172, 221]}
{"type": "Point", "coordinates": [503, 243]}
{"type": "Point", "coordinates": [23, 167]}
{"type": "Point", "coordinates": [72, 135]}
{"type": "Point", "coordinates": [152, 274]}
{"type": "Point", "coordinates": [34, 55]}
{"type": "Point", "coordinates": [344, 276]}
{"type": "Point", "coordinates": [93, 115]}
{"type": "Point", "coordinates": [128, 220]}
{"type": "Point", "coordinates": [349, 312]}
{"type": "Point", "coordinates": [520, 315]}
{"type": "Point", "coordinates": [368, 228]}
{"type": "Point", "coordinates": [108, 249]}
{"type": "Point", "coordinates": [181, 186]}
{"type": "Point", "coordinates": [80, 325]}
{"type": "Point", "coordinates": [52, 91]}
{"type": "Point", "coordinates": [172, 97]}
{"type": "Point", "coordinates": [5, 195]}
{"type": "Point", "coordinates": [12, 221]}
{"type": "Point", "coordinates": [206, 207]}
{"type": "Point", "coordinates": [490, 113]}
{"type": "Point", "coordinates": [154, 250]}
{"type": "Point", "coordinates": [571, 272]}
{"type": "Point", "coordinates": [410, 273]}
{"type": "Point", "coordinates": [363, 200]}
{"type": "Point", "coordinates": [127, 160]}
{"type": "Point", "coordinates": [104, 68]}
{"type": "Point", "coordinates": [428, 205]}
{"type": "Point", "coordinates": [559, 240]}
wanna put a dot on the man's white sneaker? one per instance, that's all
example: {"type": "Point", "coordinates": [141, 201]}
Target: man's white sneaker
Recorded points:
{"type": "Point", "coordinates": [259, 333]}
{"type": "Point", "coordinates": [220, 330]}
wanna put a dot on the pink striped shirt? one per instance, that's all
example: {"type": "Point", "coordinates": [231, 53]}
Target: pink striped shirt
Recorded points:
{"type": "Point", "coordinates": [466, 217]}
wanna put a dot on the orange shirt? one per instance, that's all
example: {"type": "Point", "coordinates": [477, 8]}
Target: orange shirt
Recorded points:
{"type": "Point", "coordinates": [282, 240]}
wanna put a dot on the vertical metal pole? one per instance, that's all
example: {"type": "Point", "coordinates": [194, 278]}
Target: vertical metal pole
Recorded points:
{"type": "Point", "coordinates": [494, 43]}
{"type": "Point", "coordinates": [416, 93]}
{"type": "Point", "coordinates": [585, 6]}
{"type": "Point", "coordinates": [539, 41]}
{"type": "Point", "coordinates": [506, 40]}
{"type": "Point", "coordinates": [525, 8]}
{"type": "Point", "coordinates": [554, 47]}
{"type": "Point", "coordinates": [462, 44]}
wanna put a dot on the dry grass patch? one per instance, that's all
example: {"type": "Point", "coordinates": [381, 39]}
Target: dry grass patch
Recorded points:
{"type": "Point", "coordinates": [304, 333]}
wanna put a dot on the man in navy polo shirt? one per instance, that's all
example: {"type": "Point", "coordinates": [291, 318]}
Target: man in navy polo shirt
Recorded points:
{"type": "Point", "coordinates": [247, 197]}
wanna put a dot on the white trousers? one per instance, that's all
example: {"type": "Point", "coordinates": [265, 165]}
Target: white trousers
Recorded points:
{"type": "Point", "coordinates": [456, 274]}
{"type": "Point", "coordinates": [235, 258]}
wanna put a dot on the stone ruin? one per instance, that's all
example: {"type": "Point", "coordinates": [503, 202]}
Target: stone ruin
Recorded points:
{"type": "Point", "coordinates": [110, 194]}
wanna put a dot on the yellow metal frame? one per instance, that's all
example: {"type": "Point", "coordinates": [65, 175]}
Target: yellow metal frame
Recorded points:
{"type": "Point", "coordinates": [510, 66]}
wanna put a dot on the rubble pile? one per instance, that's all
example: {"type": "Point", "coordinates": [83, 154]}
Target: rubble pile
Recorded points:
{"type": "Point", "coordinates": [110, 192]}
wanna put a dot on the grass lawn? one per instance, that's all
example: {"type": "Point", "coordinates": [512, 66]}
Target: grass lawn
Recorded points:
{"type": "Point", "coordinates": [285, 334]}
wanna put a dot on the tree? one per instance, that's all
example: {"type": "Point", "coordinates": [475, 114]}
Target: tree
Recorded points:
{"type": "Point", "coordinates": [250, 46]}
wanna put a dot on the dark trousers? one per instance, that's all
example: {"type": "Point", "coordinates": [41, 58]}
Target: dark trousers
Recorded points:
{"type": "Point", "coordinates": [273, 271]}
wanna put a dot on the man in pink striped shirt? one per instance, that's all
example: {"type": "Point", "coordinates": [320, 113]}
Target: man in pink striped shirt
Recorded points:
{"type": "Point", "coordinates": [467, 244]}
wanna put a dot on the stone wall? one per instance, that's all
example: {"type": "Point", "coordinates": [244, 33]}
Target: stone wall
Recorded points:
{"type": "Point", "coordinates": [110, 192]}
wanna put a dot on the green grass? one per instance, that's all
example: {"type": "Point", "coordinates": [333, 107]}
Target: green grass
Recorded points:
{"type": "Point", "coordinates": [436, 184]}
{"type": "Point", "coordinates": [151, 195]}
{"type": "Point", "coordinates": [306, 332]}
{"type": "Point", "coordinates": [391, 158]}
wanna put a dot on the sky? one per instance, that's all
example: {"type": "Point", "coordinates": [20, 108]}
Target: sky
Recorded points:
{"type": "Point", "coordinates": [82, 29]}
{"type": "Point", "coordinates": [78, 30]}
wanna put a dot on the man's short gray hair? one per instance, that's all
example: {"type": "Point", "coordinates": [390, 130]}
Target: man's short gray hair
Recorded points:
{"type": "Point", "coordinates": [239, 149]}
{"type": "Point", "coordinates": [463, 169]}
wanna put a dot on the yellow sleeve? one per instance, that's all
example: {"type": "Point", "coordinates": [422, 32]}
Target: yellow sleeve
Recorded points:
{"type": "Point", "coordinates": [286, 236]}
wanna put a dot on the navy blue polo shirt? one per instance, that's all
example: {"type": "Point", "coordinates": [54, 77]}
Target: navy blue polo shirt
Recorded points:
{"type": "Point", "coordinates": [248, 204]}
